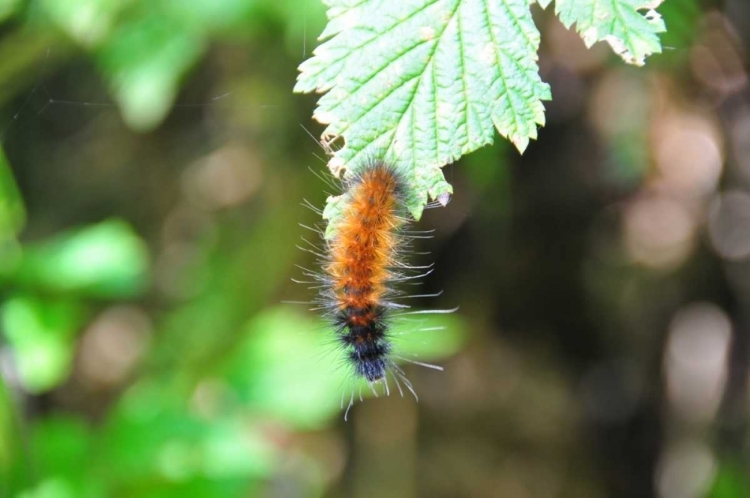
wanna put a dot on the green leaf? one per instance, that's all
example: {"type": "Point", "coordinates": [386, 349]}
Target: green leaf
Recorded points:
{"type": "Point", "coordinates": [12, 452]}
{"type": "Point", "coordinates": [88, 22]}
{"type": "Point", "coordinates": [54, 487]}
{"type": "Point", "coordinates": [683, 18]}
{"type": "Point", "coordinates": [285, 369]}
{"type": "Point", "coordinates": [207, 15]}
{"type": "Point", "coordinates": [12, 210]}
{"type": "Point", "coordinates": [151, 437]}
{"type": "Point", "coordinates": [631, 34]}
{"type": "Point", "coordinates": [41, 334]}
{"type": "Point", "coordinates": [8, 8]}
{"type": "Point", "coordinates": [60, 444]}
{"type": "Point", "coordinates": [428, 337]}
{"type": "Point", "coordinates": [12, 218]}
{"type": "Point", "coordinates": [104, 260]}
{"type": "Point", "coordinates": [425, 82]}
{"type": "Point", "coordinates": [731, 481]}
{"type": "Point", "coordinates": [61, 448]}
{"type": "Point", "coordinates": [144, 62]}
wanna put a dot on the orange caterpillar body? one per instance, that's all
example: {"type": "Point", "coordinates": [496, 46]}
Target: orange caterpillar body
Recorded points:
{"type": "Point", "coordinates": [360, 270]}
{"type": "Point", "coordinates": [362, 261]}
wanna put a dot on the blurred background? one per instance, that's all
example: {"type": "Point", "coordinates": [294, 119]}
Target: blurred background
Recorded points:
{"type": "Point", "coordinates": [153, 164]}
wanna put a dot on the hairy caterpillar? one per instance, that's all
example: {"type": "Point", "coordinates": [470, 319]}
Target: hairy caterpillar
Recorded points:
{"type": "Point", "coordinates": [362, 263]}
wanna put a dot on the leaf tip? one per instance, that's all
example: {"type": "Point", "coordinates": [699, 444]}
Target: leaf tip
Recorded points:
{"type": "Point", "coordinates": [521, 142]}
{"type": "Point", "coordinates": [444, 198]}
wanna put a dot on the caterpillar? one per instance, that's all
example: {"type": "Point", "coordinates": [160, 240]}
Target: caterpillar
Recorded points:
{"type": "Point", "coordinates": [362, 263]}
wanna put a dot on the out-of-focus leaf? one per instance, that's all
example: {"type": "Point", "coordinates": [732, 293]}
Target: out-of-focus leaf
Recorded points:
{"type": "Point", "coordinates": [285, 369]}
{"type": "Point", "coordinates": [12, 218]}
{"type": "Point", "coordinates": [428, 337]}
{"type": "Point", "coordinates": [53, 487]}
{"type": "Point", "coordinates": [10, 256]}
{"type": "Point", "coordinates": [730, 482]}
{"type": "Point", "coordinates": [206, 15]}
{"type": "Point", "coordinates": [302, 21]}
{"type": "Point", "coordinates": [13, 471]}
{"type": "Point", "coordinates": [153, 441]}
{"type": "Point", "coordinates": [105, 260]}
{"type": "Point", "coordinates": [287, 366]}
{"type": "Point", "coordinates": [626, 132]}
{"type": "Point", "coordinates": [146, 418]}
{"type": "Point", "coordinates": [41, 334]}
{"type": "Point", "coordinates": [88, 22]}
{"type": "Point", "coordinates": [144, 61]}
{"type": "Point", "coordinates": [12, 211]}
{"type": "Point", "coordinates": [23, 52]}
{"type": "Point", "coordinates": [8, 8]}
{"type": "Point", "coordinates": [237, 276]}
{"type": "Point", "coordinates": [62, 447]}
{"type": "Point", "coordinates": [681, 18]}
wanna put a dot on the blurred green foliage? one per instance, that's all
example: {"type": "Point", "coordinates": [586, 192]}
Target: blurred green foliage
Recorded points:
{"type": "Point", "coordinates": [42, 335]}
{"type": "Point", "coordinates": [153, 164]}
{"type": "Point", "coordinates": [12, 212]}
{"type": "Point", "coordinates": [731, 481]}
{"type": "Point", "coordinates": [145, 49]}
{"type": "Point", "coordinates": [113, 385]}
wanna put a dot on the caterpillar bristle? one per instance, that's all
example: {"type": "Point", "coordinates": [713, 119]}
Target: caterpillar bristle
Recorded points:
{"type": "Point", "coordinates": [418, 296]}
{"type": "Point", "coordinates": [420, 363]}
{"type": "Point", "coordinates": [306, 204]}
{"type": "Point", "coordinates": [324, 178]}
{"type": "Point", "coordinates": [433, 312]}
